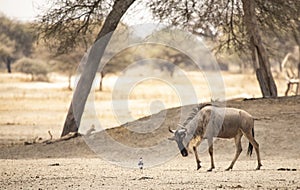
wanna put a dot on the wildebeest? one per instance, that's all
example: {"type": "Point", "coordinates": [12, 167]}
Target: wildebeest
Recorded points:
{"type": "Point", "coordinates": [208, 121]}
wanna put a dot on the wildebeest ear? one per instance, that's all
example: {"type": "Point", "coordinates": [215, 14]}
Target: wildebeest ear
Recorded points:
{"type": "Point", "coordinates": [172, 138]}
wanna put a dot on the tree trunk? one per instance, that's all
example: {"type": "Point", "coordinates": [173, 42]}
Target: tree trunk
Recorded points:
{"type": "Point", "coordinates": [69, 81]}
{"type": "Point", "coordinates": [259, 55]}
{"type": "Point", "coordinates": [298, 62]}
{"type": "Point", "coordinates": [101, 81]}
{"type": "Point", "coordinates": [8, 64]}
{"type": "Point", "coordinates": [84, 85]}
{"type": "Point", "coordinates": [296, 36]}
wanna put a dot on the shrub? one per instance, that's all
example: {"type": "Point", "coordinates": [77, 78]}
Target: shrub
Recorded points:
{"type": "Point", "coordinates": [36, 68]}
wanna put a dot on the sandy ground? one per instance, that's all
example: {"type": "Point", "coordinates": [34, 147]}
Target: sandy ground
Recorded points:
{"type": "Point", "coordinates": [72, 165]}
{"type": "Point", "coordinates": [92, 173]}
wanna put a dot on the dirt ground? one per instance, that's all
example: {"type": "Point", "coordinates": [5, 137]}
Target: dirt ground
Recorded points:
{"type": "Point", "coordinates": [73, 165]}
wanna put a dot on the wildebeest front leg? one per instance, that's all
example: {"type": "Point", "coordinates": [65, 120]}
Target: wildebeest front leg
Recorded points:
{"type": "Point", "coordinates": [239, 149]}
{"type": "Point", "coordinates": [197, 158]}
{"type": "Point", "coordinates": [210, 150]}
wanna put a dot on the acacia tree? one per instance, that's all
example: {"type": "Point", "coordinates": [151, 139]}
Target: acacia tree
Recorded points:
{"type": "Point", "coordinates": [259, 56]}
{"type": "Point", "coordinates": [234, 24]}
{"type": "Point", "coordinates": [16, 41]}
{"type": "Point", "coordinates": [67, 64]}
{"type": "Point", "coordinates": [6, 54]}
{"type": "Point", "coordinates": [68, 13]}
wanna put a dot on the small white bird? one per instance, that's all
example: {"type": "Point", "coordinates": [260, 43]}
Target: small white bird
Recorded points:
{"type": "Point", "coordinates": [141, 164]}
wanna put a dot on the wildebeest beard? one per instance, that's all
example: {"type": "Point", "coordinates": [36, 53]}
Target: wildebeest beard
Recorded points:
{"type": "Point", "coordinates": [182, 149]}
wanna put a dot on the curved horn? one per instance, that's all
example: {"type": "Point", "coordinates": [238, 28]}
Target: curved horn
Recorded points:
{"type": "Point", "coordinates": [181, 126]}
{"type": "Point", "coordinates": [171, 131]}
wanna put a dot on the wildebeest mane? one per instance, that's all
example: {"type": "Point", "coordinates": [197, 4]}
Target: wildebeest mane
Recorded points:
{"type": "Point", "coordinates": [195, 112]}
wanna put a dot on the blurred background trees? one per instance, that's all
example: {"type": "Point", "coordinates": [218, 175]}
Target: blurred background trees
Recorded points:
{"type": "Point", "coordinates": [254, 34]}
{"type": "Point", "coordinates": [21, 51]}
{"type": "Point", "coordinates": [220, 24]}
{"type": "Point", "coordinates": [241, 27]}
{"type": "Point", "coordinates": [16, 41]}
{"type": "Point", "coordinates": [36, 68]}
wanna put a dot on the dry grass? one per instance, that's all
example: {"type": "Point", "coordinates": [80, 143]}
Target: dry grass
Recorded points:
{"type": "Point", "coordinates": [30, 109]}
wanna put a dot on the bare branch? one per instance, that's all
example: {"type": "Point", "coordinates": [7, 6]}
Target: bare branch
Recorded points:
{"type": "Point", "coordinates": [223, 21]}
{"type": "Point", "coordinates": [71, 23]}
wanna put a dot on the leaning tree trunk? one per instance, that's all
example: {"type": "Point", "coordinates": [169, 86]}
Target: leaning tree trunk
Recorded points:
{"type": "Point", "coordinates": [84, 85]}
{"type": "Point", "coordinates": [259, 55]}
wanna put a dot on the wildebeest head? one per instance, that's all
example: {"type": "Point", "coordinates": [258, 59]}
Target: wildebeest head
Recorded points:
{"type": "Point", "coordinates": [179, 136]}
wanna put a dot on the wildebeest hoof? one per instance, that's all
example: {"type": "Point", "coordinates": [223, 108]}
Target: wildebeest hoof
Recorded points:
{"type": "Point", "coordinates": [258, 167]}
{"type": "Point", "coordinates": [228, 169]}
{"type": "Point", "coordinates": [198, 167]}
{"type": "Point", "coordinates": [198, 164]}
{"type": "Point", "coordinates": [210, 169]}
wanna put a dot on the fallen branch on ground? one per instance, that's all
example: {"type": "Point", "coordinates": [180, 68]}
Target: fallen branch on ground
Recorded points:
{"type": "Point", "coordinates": [64, 138]}
{"type": "Point", "coordinates": [51, 140]}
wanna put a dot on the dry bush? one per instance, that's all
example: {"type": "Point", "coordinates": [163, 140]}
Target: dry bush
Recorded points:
{"type": "Point", "coordinates": [36, 68]}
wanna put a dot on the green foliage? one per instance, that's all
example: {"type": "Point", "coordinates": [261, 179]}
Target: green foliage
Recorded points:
{"type": "Point", "coordinates": [17, 36]}
{"type": "Point", "coordinates": [37, 69]}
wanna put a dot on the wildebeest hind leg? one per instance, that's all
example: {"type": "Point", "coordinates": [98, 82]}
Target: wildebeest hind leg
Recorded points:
{"type": "Point", "coordinates": [239, 149]}
{"type": "Point", "coordinates": [256, 147]}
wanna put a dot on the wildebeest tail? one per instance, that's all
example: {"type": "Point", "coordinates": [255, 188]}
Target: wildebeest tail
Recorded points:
{"type": "Point", "coordinates": [250, 147]}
